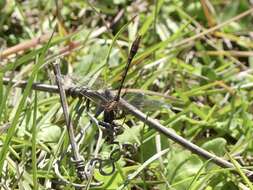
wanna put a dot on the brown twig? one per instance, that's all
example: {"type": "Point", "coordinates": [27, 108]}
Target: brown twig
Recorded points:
{"type": "Point", "coordinates": [75, 149]}
{"type": "Point", "coordinates": [25, 45]}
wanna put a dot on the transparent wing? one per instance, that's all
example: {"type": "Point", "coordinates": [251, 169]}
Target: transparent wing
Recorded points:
{"type": "Point", "coordinates": [94, 83]}
{"type": "Point", "coordinates": [139, 100]}
{"type": "Point", "coordinates": [145, 102]}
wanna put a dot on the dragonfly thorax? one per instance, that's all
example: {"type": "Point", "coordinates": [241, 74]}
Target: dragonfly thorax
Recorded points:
{"type": "Point", "coordinates": [111, 106]}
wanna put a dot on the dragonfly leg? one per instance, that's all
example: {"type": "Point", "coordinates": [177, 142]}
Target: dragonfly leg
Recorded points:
{"type": "Point", "coordinates": [120, 115]}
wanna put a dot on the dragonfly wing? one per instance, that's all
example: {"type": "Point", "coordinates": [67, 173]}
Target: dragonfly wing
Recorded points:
{"type": "Point", "coordinates": [78, 81]}
{"type": "Point", "coordinates": [145, 102]}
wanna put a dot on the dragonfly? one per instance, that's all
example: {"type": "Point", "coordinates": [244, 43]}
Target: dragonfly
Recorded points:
{"type": "Point", "coordinates": [142, 99]}
{"type": "Point", "coordinates": [112, 105]}
{"type": "Point", "coordinates": [110, 108]}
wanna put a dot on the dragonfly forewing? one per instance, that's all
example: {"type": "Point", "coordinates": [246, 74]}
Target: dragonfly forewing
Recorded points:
{"type": "Point", "coordinates": [145, 102]}
{"type": "Point", "coordinates": [139, 100]}
{"type": "Point", "coordinates": [91, 83]}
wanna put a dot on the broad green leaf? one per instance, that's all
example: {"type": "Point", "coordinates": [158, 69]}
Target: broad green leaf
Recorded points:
{"type": "Point", "coordinates": [216, 146]}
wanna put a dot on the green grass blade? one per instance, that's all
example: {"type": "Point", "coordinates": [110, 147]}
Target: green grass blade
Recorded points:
{"type": "Point", "coordinates": [241, 172]}
{"type": "Point", "coordinates": [34, 137]}
{"type": "Point", "coordinates": [21, 105]}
